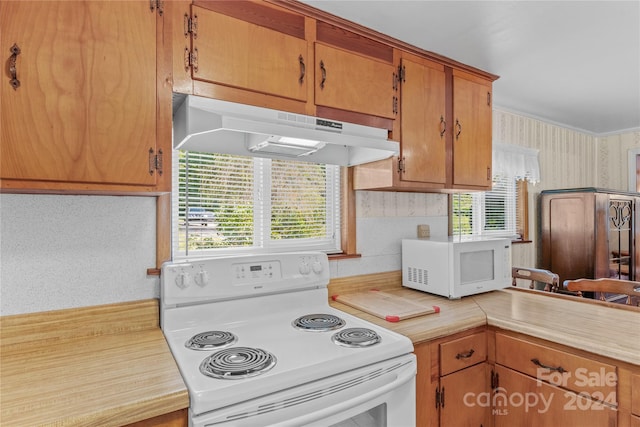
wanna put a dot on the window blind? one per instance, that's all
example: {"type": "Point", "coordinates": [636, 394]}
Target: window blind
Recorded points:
{"type": "Point", "coordinates": [495, 212]}
{"type": "Point", "coordinates": [256, 204]}
{"type": "Point", "coordinates": [487, 213]}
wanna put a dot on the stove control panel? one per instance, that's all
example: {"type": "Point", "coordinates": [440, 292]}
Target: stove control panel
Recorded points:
{"type": "Point", "coordinates": [219, 278]}
{"type": "Point", "coordinates": [256, 272]}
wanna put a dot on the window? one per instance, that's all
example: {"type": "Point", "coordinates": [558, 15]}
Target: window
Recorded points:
{"type": "Point", "coordinates": [499, 212]}
{"type": "Point", "coordinates": [230, 204]}
{"type": "Point", "coordinates": [503, 211]}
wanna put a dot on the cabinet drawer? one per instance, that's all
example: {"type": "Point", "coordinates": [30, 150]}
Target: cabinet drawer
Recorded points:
{"type": "Point", "coordinates": [635, 394]}
{"type": "Point", "coordinates": [558, 367]}
{"type": "Point", "coordinates": [463, 352]}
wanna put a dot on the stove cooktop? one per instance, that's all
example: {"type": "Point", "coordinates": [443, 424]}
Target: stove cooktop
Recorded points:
{"type": "Point", "coordinates": [274, 325]}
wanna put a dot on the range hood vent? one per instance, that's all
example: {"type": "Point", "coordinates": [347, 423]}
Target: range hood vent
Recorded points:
{"type": "Point", "coordinates": [214, 126]}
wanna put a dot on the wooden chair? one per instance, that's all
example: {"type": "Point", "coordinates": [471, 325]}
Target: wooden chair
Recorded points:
{"type": "Point", "coordinates": [551, 280]}
{"type": "Point", "coordinates": [606, 286]}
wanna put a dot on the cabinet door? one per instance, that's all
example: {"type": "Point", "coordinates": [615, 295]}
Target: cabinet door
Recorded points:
{"type": "Point", "coordinates": [85, 110]}
{"type": "Point", "coordinates": [523, 401]}
{"type": "Point", "coordinates": [471, 131]}
{"type": "Point", "coordinates": [353, 82]}
{"type": "Point", "coordinates": [467, 397]}
{"type": "Point", "coordinates": [423, 127]}
{"type": "Point", "coordinates": [241, 54]}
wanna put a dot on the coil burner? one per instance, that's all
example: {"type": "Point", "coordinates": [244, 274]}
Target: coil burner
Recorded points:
{"type": "Point", "coordinates": [318, 322]}
{"type": "Point", "coordinates": [237, 362]}
{"type": "Point", "coordinates": [356, 337]}
{"type": "Point", "coordinates": [211, 340]}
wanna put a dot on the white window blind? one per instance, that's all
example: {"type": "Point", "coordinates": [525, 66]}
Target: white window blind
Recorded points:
{"type": "Point", "coordinates": [487, 213]}
{"type": "Point", "coordinates": [494, 213]}
{"type": "Point", "coordinates": [227, 204]}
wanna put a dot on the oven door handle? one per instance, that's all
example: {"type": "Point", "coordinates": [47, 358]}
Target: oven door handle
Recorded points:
{"type": "Point", "coordinates": [403, 375]}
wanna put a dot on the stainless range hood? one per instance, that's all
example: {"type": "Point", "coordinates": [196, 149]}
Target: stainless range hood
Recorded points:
{"type": "Point", "coordinates": [214, 126]}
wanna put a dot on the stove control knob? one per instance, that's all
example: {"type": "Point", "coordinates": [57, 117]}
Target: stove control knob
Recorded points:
{"type": "Point", "coordinates": [182, 280]}
{"type": "Point", "coordinates": [317, 267]}
{"type": "Point", "coordinates": [305, 269]}
{"type": "Point", "coordinates": [202, 278]}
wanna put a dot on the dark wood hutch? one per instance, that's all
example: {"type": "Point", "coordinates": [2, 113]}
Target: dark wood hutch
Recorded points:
{"type": "Point", "coordinates": [589, 233]}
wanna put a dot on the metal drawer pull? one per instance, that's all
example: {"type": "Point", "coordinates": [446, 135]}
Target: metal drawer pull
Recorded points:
{"type": "Point", "coordinates": [551, 368]}
{"type": "Point", "coordinates": [443, 126]}
{"type": "Point", "coordinates": [466, 355]}
{"type": "Point", "coordinates": [324, 74]}
{"type": "Point", "coordinates": [303, 69]}
{"type": "Point", "coordinates": [458, 129]}
{"type": "Point", "coordinates": [14, 82]}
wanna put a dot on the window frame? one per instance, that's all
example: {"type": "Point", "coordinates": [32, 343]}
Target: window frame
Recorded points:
{"type": "Point", "coordinates": [521, 212]}
{"type": "Point", "coordinates": [345, 234]}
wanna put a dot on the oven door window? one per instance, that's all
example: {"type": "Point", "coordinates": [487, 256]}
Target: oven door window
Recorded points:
{"type": "Point", "coordinates": [374, 417]}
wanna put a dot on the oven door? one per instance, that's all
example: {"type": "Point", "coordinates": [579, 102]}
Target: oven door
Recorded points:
{"type": "Point", "coordinates": [382, 394]}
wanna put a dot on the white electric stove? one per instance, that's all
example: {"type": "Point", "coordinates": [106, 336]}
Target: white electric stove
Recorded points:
{"type": "Point", "coordinates": [257, 344]}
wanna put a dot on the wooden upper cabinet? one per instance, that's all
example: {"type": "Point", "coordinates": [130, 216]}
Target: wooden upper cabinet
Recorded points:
{"type": "Point", "coordinates": [355, 77]}
{"type": "Point", "coordinates": [472, 114]}
{"type": "Point", "coordinates": [423, 146]}
{"type": "Point", "coordinates": [445, 132]}
{"type": "Point", "coordinates": [266, 56]}
{"type": "Point", "coordinates": [84, 114]}
{"type": "Point", "coordinates": [353, 82]}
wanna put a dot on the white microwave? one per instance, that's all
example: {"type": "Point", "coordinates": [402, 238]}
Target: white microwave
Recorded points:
{"type": "Point", "coordinates": [455, 267]}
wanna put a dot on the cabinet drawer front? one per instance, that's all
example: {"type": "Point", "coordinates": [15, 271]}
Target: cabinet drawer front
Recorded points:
{"type": "Point", "coordinates": [558, 367]}
{"type": "Point", "coordinates": [463, 352]}
{"type": "Point", "coordinates": [520, 401]}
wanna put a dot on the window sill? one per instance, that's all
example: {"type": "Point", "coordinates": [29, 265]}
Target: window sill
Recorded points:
{"type": "Point", "coordinates": [517, 242]}
{"type": "Point", "coordinates": [334, 257]}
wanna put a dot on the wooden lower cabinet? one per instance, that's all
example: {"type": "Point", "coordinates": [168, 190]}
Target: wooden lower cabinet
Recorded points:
{"type": "Point", "coordinates": [491, 377]}
{"type": "Point", "coordinates": [453, 381]}
{"type": "Point", "coordinates": [521, 400]}
{"type": "Point", "coordinates": [635, 401]}
{"type": "Point", "coordinates": [172, 419]}
{"type": "Point", "coordinates": [465, 398]}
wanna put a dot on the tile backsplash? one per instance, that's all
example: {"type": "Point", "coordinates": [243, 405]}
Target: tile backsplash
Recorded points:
{"type": "Point", "coordinates": [383, 219]}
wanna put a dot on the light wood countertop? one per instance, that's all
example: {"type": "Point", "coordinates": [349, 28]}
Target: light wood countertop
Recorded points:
{"type": "Point", "coordinates": [589, 326]}
{"type": "Point", "coordinates": [95, 366]}
{"type": "Point", "coordinates": [110, 365]}
{"type": "Point", "coordinates": [585, 325]}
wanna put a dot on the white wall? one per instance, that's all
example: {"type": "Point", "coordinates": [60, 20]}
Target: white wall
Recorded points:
{"type": "Point", "coordinates": [383, 219]}
{"type": "Point", "coordinates": [567, 160]}
{"type": "Point", "coordinates": [71, 251]}
{"type": "Point", "coordinates": [612, 159]}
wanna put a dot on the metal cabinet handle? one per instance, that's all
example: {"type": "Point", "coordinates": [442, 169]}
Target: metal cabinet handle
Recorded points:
{"type": "Point", "coordinates": [443, 126]}
{"type": "Point", "coordinates": [458, 128]}
{"type": "Point", "coordinates": [551, 368]}
{"type": "Point", "coordinates": [15, 51]}
{"type": "Point", "coordinates": [303, 69]}
{"type": "Point", "coordinates": [466, 355]}
{"type": "Point", "coordinates": [324, 75]}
